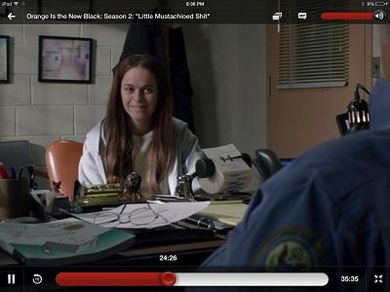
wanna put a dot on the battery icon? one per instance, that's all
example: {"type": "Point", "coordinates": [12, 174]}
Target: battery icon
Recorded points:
{"type": "Point", "coordinates": [379, 4]}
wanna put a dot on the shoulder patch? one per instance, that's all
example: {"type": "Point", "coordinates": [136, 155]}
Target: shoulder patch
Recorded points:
{"type": "Point", "coordinates": [289, 247]}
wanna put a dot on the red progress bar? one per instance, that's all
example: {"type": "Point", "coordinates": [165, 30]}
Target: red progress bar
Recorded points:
{"type": "Point", "coordinates": [347, 15]}
{"type": "Point", "coordinates": [115, 279]}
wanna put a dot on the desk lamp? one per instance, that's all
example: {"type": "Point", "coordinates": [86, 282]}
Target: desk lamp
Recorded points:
{"type": "Point", "coordinates": [357, 110]}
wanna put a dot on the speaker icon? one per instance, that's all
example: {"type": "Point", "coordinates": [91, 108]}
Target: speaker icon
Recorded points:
{"type": "Point", "coordinates": [379, 15]}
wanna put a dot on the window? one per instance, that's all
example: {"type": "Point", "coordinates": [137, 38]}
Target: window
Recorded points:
{"type": "Point", "coordinates": [312, 55]}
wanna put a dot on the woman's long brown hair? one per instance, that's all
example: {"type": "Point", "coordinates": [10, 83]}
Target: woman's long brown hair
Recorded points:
{"type": "Point", "coordinates": [118, 155]}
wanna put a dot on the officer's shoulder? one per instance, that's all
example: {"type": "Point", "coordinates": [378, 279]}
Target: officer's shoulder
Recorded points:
{"type": "Point", "coordinates": [350, 145]}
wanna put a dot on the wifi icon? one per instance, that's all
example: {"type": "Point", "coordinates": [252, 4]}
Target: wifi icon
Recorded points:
{"type": "Point", "coordinates": [16, 3]}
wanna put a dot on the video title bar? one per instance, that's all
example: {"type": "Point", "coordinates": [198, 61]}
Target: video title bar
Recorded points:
{"type": "Point", "coordinates": [193, 12]}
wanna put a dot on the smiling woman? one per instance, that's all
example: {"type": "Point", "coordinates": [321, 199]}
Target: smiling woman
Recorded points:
{"type": "Point", "coordinates": [139, 133]}
{"type": "Point", "coordinates": [139, 97]}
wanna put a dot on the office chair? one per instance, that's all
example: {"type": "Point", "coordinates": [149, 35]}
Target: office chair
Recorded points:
{"type": "Point", "coordinates": [62, 162]}
{"type": "Point", "coordinates": [266, 163]}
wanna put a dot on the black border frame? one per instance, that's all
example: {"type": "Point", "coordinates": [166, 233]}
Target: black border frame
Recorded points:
{"type": "Point", "coordinates": [5, 14]}
{"type": "Point", "coordinates": [41, 6]}
{"type": "Point", "coordinates": [42, 38]}
{"type": "Point", "coordinates": [7, 80]}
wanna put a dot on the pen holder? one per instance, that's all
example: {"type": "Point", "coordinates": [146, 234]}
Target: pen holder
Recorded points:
{"type": "Point", "coordinates": [15, 200]}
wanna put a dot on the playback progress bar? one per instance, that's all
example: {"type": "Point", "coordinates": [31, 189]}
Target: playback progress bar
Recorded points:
{"type": "Point", "coordinates": [190, 279]}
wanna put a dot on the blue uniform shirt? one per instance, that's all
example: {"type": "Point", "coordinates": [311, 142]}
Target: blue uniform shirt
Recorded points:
{"type": "Point", "coordinates": [329, 207]}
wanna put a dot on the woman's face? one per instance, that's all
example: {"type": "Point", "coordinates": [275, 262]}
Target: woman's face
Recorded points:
{"type": "Point", "coordinates": [139, 96]}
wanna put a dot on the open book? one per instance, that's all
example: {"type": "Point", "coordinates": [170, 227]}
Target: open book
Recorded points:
{"type": "Point", "coordinates": [62, 242]}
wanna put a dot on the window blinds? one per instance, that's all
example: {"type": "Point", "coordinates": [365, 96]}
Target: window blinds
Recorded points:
{"type": "Point", "coordinates": [313, 54]}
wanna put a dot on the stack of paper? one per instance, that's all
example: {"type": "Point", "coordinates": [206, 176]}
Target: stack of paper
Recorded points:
{"type": "Point", "coordinates": [229, 212]}
{"type": "Point", "coordinates": [62, 242]}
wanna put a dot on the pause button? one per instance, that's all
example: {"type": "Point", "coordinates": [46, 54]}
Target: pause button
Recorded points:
{"type": "Point", "coordinates": [11, 279]}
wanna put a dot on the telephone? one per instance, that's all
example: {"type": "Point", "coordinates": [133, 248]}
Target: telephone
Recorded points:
{"type": "Point", "coordinates": [266, 163]}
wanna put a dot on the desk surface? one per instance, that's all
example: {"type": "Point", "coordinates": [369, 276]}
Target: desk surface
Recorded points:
{"type": "Point", "coordinates": [185, 242]}
{"type": "Point", "coordinates": [191, 246]}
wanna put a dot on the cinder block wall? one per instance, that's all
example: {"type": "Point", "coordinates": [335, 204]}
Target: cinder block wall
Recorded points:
{"type": "Point", "coordinates": [227, 66]}
{"type": "Point", "coordinates": [43, 112]}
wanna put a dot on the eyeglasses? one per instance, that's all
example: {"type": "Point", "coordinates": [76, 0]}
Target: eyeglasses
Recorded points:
{"type": "Point", "coordinates": [140, 217]}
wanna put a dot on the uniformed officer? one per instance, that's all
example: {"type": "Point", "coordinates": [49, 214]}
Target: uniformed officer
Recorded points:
{"type": "Point", "coordinates": [328, 208]}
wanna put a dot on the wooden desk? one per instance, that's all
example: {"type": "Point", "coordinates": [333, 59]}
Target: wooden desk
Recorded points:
{"type": "Point", "coordinates": [190, 246]}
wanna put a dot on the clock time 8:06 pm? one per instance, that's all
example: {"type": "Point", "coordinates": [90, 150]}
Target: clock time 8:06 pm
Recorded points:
{"type": "Point", "coordinates": [195, 3]}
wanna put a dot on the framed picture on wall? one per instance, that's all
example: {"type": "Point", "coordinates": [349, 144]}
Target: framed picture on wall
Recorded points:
{"type": "Point", "coordinates": [4, 58]}
{"type": "Point", "coordinates": [64, 59]}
